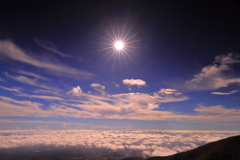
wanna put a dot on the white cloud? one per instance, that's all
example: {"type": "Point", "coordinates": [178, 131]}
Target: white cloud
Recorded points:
{"type": "Point", "coordinates": [137, 106]}
{"type": "Point", "coordinates": [128, 105]}
{"type": "Point", "coordinates": [8, 49]}
{"type": "Point", "coordinates": [219, 109]}
{"type": "Point", "coordinates": [11, 107]}
{"type": "Point", "coordinates": [214, 76]}
{"type": "Point", "coordinates": [223, 93]}
{"type": "Point", "coordinates": [45, 91]}
{"type": "Point", "coordinates": [145, 143]}
{"type": "Point", "coordinates": [132, 82]}
{"type": "Point", "coordinates": [14, 89]}
{"type": "Point", "coordinates": [38, 124]}
{"type": "Point", "coordinates": [41, 97]}
{"type": "Point", "coordinates": [49, 46]}
{"type": "Point", "coordinates": [32, 75]}
{"type": "Point", "coordinates": [168, 91]}
{"type": "Point", "coordinates": [27, 80]}
{"type": "Point", "coordinates": [98, 87]}
{"type": "Point", "coordinates": [75, 91]}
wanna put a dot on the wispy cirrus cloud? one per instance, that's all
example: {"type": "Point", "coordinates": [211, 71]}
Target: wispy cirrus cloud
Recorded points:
{"type": "Point", "coordinates": [224, 93]}
{"type": "Point", "coordinates": [13, 89]}
{"type": "Point", "coordinates": [11, 107]}
{"type": "Point", "coordinates": [9, 49]}
{"type": "Point", "coordinates": [42, 124]}
{"type": "Point", "coordinates": [28, 81]}
{"type": "Point", "coordinates": [32, 75]}
{"type": "Point", "coordinates": [47, 91]}
{"type": "Point", "coordinates": [45, 97]}
{"type": "Point", "coordinates": [214, 76]}
{"type": "Point", "coordinates": [49, 46]}
{"type": "Point", "coordinates": [219, 109]}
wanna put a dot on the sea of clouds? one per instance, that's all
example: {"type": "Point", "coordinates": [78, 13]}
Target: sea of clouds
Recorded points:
{"type": "Point", "coordinates": [146, 142]}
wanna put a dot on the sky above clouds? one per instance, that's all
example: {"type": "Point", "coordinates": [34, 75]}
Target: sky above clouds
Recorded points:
{"type": "Point", "coordinates": [179, 69]}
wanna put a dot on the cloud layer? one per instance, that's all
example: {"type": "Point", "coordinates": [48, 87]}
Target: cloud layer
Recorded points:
{"type": "Point", "coordinates": [147, 143]}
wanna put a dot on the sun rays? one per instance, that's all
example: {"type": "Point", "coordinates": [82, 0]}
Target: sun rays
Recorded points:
{"type": "Point", "coordinates": [118, 41]}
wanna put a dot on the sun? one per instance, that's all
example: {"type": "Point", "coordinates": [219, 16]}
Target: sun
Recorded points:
{"type": "Point", "coordinates": [119, 45]}
{"type": "Point", "coordinates": [119, 41]}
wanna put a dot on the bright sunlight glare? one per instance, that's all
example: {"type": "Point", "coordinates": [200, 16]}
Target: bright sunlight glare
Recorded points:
{"type": "Point", "coordinates": [119, 41]}
{"type": "Point", "coordinates": [119, 45]}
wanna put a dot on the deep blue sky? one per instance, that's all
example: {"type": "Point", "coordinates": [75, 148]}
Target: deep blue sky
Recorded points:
{"type": "Point", "coordinates": [179, 68]}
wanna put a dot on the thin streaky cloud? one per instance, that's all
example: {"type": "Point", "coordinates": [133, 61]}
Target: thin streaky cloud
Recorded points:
{"type": "Point", "coordinates": [48, 122]}
{"type": "Point", "coordinates": [224, 93]}
{"type": "Point", "coordinates": [21, 103]}
{"type": "Point", "coordinates": [26, 80]}
{"type": "Point", "coordinates": [219, 109]}
{"type": "Point", "coordinates": [45, 91]}
{"type": "Point", "coordinates": [49, 46]}
{"type": "Point", "coordinates": [98, 109]}
{"type": "Point", "coordinates": [169, 91]}
{"type": "Point", "coordinates": [45, 124]}
{"type": "Point", "coordinates": [14, 89]}
{"type": "Point", "coordinates": [53, 98]}
{"type": "Point", "coordinates": [32, 75]}
{"type": "Point", "coordinates": [9, 49]}
{"type": "Point", "coordinates": [32, 109]}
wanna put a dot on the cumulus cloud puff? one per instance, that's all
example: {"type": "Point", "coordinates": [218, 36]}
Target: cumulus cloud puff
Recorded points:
{"type": "Point", "coordinates": [75, 91]}
{"type": "Point", "coordinates": [147, 143]}
{"type": "Point", "coordinates": [217, 75]}
{"type": "Point", "coordinates": [132, 82]}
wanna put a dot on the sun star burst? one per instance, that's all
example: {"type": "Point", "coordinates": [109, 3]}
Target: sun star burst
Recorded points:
{"type": "Point", "coordinates": [119, 40]}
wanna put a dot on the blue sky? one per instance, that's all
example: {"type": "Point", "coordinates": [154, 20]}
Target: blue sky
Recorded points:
{"type": "Point", "coordinates": [178, 69]}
